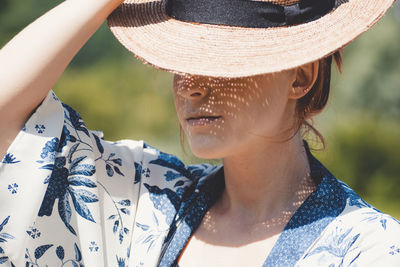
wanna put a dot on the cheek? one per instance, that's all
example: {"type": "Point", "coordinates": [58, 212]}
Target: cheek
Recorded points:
{"type": "Point", "coordinates": [265, 113]}
{"type": "Point", "coordinates": [179, 106]}
{"type": "Point", "coordinates": [249, 109]}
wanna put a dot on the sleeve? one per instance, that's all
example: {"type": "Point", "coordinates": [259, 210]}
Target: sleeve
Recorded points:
{"type": "Point", "coordinates": [164, 180]}
{"type": "Point", "coordinates": [379, 243]}
{"type": "Point", "coordinates": [22, 179]}
{"type": "Point", "coordinates": [66, 195]}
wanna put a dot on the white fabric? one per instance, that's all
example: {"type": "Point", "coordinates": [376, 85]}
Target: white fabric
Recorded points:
{"type": "Point", "coordinates": [69, 198]}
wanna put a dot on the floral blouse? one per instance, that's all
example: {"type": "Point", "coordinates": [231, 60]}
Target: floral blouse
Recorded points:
{"type": "Point", "coordinates": [69, 198]}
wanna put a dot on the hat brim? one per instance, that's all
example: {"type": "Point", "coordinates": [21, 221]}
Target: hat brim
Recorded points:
{"type": "Point", "coordinates": [144, 28]}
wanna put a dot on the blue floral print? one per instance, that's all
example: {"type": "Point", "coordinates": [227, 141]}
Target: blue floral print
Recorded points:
{"type": "Point", "coordinates": [354, 199]}
{"type": "Point", "coordinates": [13, 188]}
{"type": "Point", "coordinates": [121, 207]}
{"type": "Point", "coordinates": [128, 204]}
{"type": "Point", "coordinates": [111, 162]}
{"type": "Point", "coordinates": [62, 186]}
{"type": "Point", "coordinates": [33, 232]}
{"type": "Point", "coordinates": [48, 152]}
{"type": "Point", "coordinates": [93, 247]}
{"type": "Point", "coordinates": [150, 234]}
{"type": "Point", "coordinates": [64, 180]}
{"type": "Point", "coordinates": [32, 260]}
{"type": "Point", "coordinates": [4, 237]}
{"type": "Point", "coordinates": [373, 216]}
{"type": "Point", "coordinates": [121, 262]}
{"type": "Point", "coordinates": [74, 120]}
{"type": "Point", "coordinates": [394, 250]}
{"type": "Point", "coordinates": [40, 128]}
{"type": "Point", "coordinates": [165, 200]}
{"type": "Point", "coordinates": [9, 159]}
{"type": "Point", "coordinates": [337, 244]}
{"type": "Point", "coordinates": [138, 172]}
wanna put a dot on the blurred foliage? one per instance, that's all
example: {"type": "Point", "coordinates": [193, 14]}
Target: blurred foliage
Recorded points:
{"type": "Point", "coordinates": [366, 155]}
{"type": "Point", "coordinates": [362, 122]}
{"type": "Point", "coordinates": [117, 94]}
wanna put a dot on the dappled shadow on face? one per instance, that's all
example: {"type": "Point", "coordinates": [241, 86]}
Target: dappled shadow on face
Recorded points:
{"type": "Point", "coordinates": [220, 113]}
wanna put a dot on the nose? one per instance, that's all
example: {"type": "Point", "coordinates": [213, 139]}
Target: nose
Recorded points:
{"type": "Point", "coordinates": [191, 87]}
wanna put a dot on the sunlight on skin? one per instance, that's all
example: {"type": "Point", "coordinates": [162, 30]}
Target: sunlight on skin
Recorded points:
{"type": "Point", "coordinates": [247, 122]}
{"type": "Point", "coordinates": [222, 115]}
{"type": "Point", "coordinates": [257, 231]}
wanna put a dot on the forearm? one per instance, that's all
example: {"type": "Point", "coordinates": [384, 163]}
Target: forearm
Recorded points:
{"type": "Point", "coordinates": [32, 61]}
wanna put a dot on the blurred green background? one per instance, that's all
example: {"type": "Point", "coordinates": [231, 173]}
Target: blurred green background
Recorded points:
{"type": "Point", "coordinates": [125, 99]}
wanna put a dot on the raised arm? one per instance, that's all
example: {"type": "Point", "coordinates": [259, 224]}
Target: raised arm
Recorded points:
{"type": "Point", "coordinates": [32, 62]}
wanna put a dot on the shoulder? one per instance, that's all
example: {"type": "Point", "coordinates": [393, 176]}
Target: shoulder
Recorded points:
{"type": "Point", "coordinates": [362, 216]}
{"type": "Point", "coordinates": [56, 139]}
{"type": "Point", "coordinates": [357, 234]}
{"type": "Point", "coordinates": [158, 171]}
{"type": "Point", "coordinates": [167, 178]}
{"type": "Point", "coordinates": [367, 237]}
{"type": "Point", "coordinates": [149, 162]}
{"type": "Point", "coordinates": [375, 236]}
{"type": "Point", "coordinates": [129, 189]}
{"type": "Point", "coordinates": [360, 235]}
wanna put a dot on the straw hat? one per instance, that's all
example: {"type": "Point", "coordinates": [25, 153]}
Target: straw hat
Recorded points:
{"type": "Point", "coordinates": [201, 40]}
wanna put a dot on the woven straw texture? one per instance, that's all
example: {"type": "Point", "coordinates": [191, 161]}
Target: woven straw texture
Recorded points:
{"type": "Point", "coordinates": [223, 51]}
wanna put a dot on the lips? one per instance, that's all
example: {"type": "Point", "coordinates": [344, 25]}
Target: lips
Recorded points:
{"type": "Point", "coordinates": [202, 120]}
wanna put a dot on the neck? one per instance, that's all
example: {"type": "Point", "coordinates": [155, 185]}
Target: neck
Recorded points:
{"type": "Point", "coordinates": [266, 180]}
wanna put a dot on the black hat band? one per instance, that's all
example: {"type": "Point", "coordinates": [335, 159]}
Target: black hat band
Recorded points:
{"type": "Point", "coordinates": [247, 13]}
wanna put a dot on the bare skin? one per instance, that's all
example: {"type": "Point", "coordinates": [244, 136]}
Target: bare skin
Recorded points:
{"type": "Point", "coordinates": [246, 122]}
{"type": "Point", "coordinates": [267, 176]}
{"type": "Point", "coordinates": [28, 72]}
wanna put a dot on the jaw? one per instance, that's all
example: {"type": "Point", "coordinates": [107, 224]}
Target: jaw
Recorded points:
{"type": "Point", "coordinates": [207, 146]}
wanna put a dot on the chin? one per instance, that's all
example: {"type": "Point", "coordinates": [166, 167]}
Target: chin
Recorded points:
{"type": "Point", "coordinates": [207, 147]}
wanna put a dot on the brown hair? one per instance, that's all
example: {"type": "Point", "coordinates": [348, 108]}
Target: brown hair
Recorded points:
{"type": "Point", "coordinates": [316, 99]}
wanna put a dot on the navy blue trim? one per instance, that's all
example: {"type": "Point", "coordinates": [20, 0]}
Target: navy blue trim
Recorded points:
{"type": "Point", "coordinates": [308, 222]}
{"type": "Point", "coordinates": [190, 215]}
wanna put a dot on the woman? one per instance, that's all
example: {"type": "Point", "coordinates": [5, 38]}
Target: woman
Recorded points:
{"type": "Point", "coordinates": [245, 83]}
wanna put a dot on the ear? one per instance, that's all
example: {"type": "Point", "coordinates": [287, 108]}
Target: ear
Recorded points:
{"type": "Point", "coordinates": [305, 77]}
